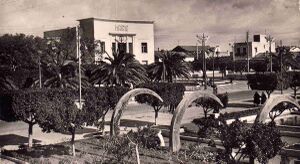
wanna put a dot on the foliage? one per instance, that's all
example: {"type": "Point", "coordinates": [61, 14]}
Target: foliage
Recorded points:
{"type": "Point", "coordinates": [59, 64]}
{"type": "Point", "coordinates": [122, 69]}
{"type": "Point", "coordinates": [295, 82]}
{"type": "Point", "coordinates": [207, 126]}
{"type": "Point", "coordinates": [19, 55]}
{"type": "Point", "coordinates": [171, 93]}
{"type": "Point", "coordinates": [27, 106]}
{"type": "Point", "coordinates": [99, 101]}
{"type": "Point", "coordinates": [260, 141]}
{"type": "Point", "coordinates": [267, 82]}
{"type": "Point", "coordinates": [198, 153]}
{"type": "Point", "coordinates": [169, 66]}
{"type": "Point", "coordinates": [259, 65]}
{"type": "Point", "coordinates": [256, 98]}
{"type": "Point", "coordinates": [6, 111]}
{"type": "Point", "coordinates": [208, 104]}
{"type": "Point", "coordinates": [241, 66]}
{"type": "Point", "coordinates": [61, 113]}
{"type": "Point", "coordinates": [119, 148]}
{"type": "Point", "coordinates": [145, 137]}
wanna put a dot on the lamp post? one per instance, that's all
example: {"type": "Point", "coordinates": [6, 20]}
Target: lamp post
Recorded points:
{"type": "Point", "coordinates": [79, 66]}
{"type": "Point", "coordinates": [233, 55]}
{"type": "Point", "coordinates": [270, 39]}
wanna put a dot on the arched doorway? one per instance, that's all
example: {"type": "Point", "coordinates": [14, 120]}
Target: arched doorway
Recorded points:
{"type": "Point", "coordinates": [121, 105]}
{"type": "Point", "coordinates": [178, 115]}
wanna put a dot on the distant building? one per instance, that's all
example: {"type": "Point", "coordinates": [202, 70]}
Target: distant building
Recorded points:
{"type": "Point", "coordinates": [190, 52]}
{"type": "Point", "coordinates": [136, 37]}
{"type": "Point", "coordinates": [257, 46]}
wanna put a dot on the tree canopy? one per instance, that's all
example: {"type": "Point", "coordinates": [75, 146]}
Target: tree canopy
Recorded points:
{"type": "Point", "coordinates": [169, 66]}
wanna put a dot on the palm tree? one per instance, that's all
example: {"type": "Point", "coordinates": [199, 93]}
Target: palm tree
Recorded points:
{"type": "Point", "coordinates": [120, 69]}
{"type": "Point", "coordinates": [63, 76]}
{"type": "Point", "coordinates": [60, 67]}
{"type": "Point", "coordinates": [169, 66]}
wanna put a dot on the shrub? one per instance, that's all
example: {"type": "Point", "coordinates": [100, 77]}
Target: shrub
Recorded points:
{"type": "Point", "coordinates": [146, 137]}
{"type": "Point", "coordinates": [260, 141]}
{"type": "Point", "coordinates": [266, 82]}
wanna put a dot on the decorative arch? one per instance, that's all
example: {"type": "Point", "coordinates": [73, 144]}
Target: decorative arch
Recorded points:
{"type": "Point", "coordinates": [271, 103]}
{"type": "Point", "coordinates": [178, 115]}
{"type": "Point", "coordinates": [122, 103]}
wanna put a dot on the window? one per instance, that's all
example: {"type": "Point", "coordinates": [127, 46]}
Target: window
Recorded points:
{"type": "Point", "coordinates": [122, 47]}
{"type": "Point", "coordinates": [144, 48]}
{"type": "Point", "coordinates": [238, 50]}
{"type": "Point", "coordinates": [102, 46]}
{"type": "Point", "coordinates": [130, 48]}
{"type": "Point", "coordinates": [113, 47]}
{"type": "Point", "coordinates": [244, 50]}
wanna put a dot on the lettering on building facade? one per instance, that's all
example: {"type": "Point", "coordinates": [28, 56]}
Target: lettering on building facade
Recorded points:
{"type": "Point", "coordinates": [121, 28]}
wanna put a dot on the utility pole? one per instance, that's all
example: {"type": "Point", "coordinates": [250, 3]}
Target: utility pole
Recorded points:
{"type": "Point", "coordinates": [270, 39]}
{"type": "Point", "coordinates": [79, 65]}
{"type": "Point", "coordinates": [233, 55]}
{"type": "Point", "coordinates": [281, 76]}
{"type": "Point", "coordinates": [247, 38]}
{"type": "Point", "coordinates": [202, 39]}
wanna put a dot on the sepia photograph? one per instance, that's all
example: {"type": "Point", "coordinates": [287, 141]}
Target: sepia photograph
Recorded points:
{"type": "Point", "coordinates": [149, 81]}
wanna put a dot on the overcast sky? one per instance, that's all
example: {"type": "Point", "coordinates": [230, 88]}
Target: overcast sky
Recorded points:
{"type": "Point", "coordinates": [176, 21]}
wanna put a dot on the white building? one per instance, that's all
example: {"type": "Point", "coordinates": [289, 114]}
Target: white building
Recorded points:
{"type": "Point", "coordinates": [136, 37]}
{"type": "Point", "coordinates": [257, 46]}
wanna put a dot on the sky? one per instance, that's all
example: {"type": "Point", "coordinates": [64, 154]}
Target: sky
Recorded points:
{"type": "Point", "coordinates": [176, 22]}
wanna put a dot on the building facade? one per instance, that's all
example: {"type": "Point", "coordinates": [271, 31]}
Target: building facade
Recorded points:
{"type": "Point", "coordinates": [136, 37]}
{"type": "Point", "coordinates": [257, 46]}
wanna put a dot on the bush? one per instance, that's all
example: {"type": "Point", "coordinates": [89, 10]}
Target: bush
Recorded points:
{"type": "Point", "coordinates": [146, 137]}
{"type": "Point", "coordinates": [265, 82]}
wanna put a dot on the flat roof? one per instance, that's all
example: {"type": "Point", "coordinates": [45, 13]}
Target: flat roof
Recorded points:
{"type": "Point", "coordinates": [117, 20]}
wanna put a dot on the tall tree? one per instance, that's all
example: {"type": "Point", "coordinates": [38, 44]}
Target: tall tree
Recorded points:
{"type": "Point", "coordinates": [60, 62]}
{"type": "Point", "coordinates": [295, 82]}
{"type": "Point", "coordinates": [19, 57]}
{"type": "Point", "coordinates": [61, 114]}
{"type": "Point", "coordinates": [26, 106]}
{"type": "Point", "coordinates": [169, 66]}
{"type": "Point", "coordinates": [120, 69]}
